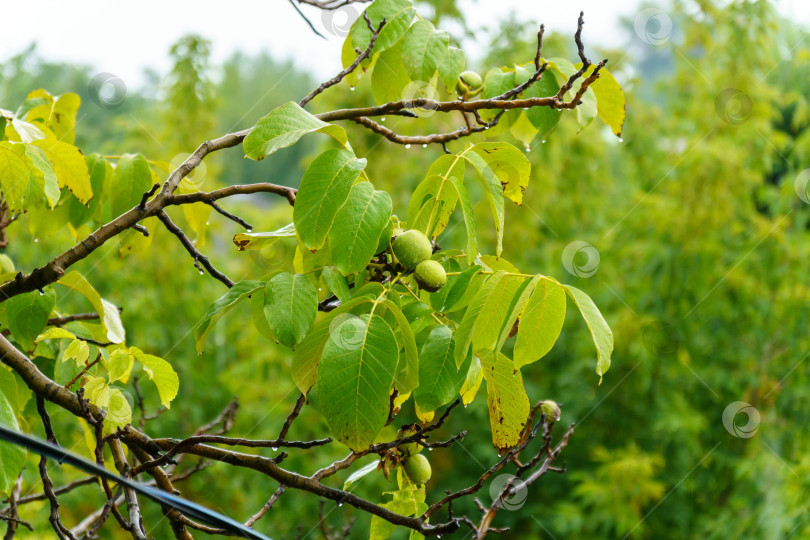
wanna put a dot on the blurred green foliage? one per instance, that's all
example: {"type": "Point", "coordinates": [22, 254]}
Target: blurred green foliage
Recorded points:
{"type": "Point", "coordinates": [703, 247]}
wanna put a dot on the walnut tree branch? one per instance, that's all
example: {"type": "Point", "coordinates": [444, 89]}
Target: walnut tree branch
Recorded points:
{"type": "Point", "coordinates": [351, 67]}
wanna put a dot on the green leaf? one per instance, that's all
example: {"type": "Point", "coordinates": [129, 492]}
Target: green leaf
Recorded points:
{"type": "Point", "coordinates": [337, 283]}
{"type": "Point", "coordinates": [111, 318]}
{"type": "Point", "coordinates": [423, 49]}
{"type": "Point", "coordinates": [101, 174]}
{"type": "Point", "coordinates": [355, 376]}
{"type": "Point", "coordinates": [49, 188]}
{"type": "Point", "coordinates": [131, 179]}
{"type": "Point", "coordinates": [600, 331]}
{"type": "Point", "coordinates": [27, 315]}
{"type": "Point", "coordinates": [358, 224]}
{"type": "Point", "coordinates": [16, 391]}
{"type": "Point", "coordinates": [307, 354]}
{"type": "Point", "coordinates": [461, 289]}
{"type": "Point", "coordinates": [587, 110]}
{"type": "Point", "coordinates": [258, 318]}
{"type": "Point", "coordinates": [493, 191]}
{"type": "Point", "coordinates": [17, 171]}
{"type": "Point", "coordinates": [325, 186]}
{"type": "Point", "coordinates": [263, 239]}
{"type": "Point", "coordinates": [70, 167]}
{"type": "Point", "coordinates": [78, 351]}
{"type": "Point", "coordinates": [439, 378]}
{"type": "Point", "coordinates": [410, 374]}
{"type": "Point", "coordinates": [519, 300]}
{"type": "Point", "coordinates": [545, 119]}
{"type": "Point", "coordinates": [495, 312]}
{"type": "Point", "coordinates": [161, 373]}
{"type": "Point", "coordinates": [508, 403]}
{"type": "Point", "coordinates": [469, 218]}
{"type": "Point", "coordinates": [398, 15]}
{"type": "Point", "coordinates": [541, 323]}
{"type": "Point", "coordinates": [435, 198]}
{"type": "Point", "coordinates": [283, 127]}
{"type": "Point", "coordinates": [509, 165]}
{"type": "Point", "coordinates": [523, 130]}
{"type": "Point", "coordinates": [451, 67]}
{"type": "Point", "coordinates": [358, 475]}
{"type": "Point", "coordinates": [469, 325]}
{"type": "Point", "coordinates": [12, 456]}
{"type": "Point", "coordinates": [389, 78]}
{"type": "Point", "coordinates": [290, 306]}
{"type": "Point", "coordinates": [219, 308]}
{"type": "Point", "coordinates": [496, 82]}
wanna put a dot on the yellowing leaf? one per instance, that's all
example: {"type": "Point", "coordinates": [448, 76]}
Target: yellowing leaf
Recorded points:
{"type": "Point", "coordinates": [17, 171]}
{"type": "Point", "coordinates": [109, 313]}
{"type": "Point", "coordinates": [610, 101]}
{"type": "Point", "coordinates": [55, 333]}
{"type": "Point", "coordinates": [78, 351]}
{"type": "Point", "coordinates": [508, 403]}
{"type": "Point", "coordinates": [509, 165]}
{"type": "Point", "coordinates": [70, 167]}
{"type": "Point", "coordinates": [161, 373]}
{"type": "Point", "coordinates": [119, 366]}
{"type": "Point", "coordinates": [473, 381]}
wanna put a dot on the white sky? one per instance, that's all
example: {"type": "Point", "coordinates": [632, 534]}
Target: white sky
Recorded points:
{"type": "Point", "coordinates": [125, 37]}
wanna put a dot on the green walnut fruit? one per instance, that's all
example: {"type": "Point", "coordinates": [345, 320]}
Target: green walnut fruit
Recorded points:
{"type": "Point", "coordinates": [411, 248]}
{"type": "Point", "coordinates": [551, 410]}
{"type": "Point", "coordinates": [430, 275]}
{"type": "Point", "coordinates": [410, 449]}
{"type": "Point", "coordinates": [417, 468]}
{"type": "Point", "coordinates": [469, 83]}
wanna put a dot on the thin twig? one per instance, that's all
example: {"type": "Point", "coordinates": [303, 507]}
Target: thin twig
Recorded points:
{"type": "Point", "coordinates": [351, 67]}
{"type": "Point", "coordinates": [309, 23]}
{"type": "Point", "coordinates": [267, 506]}
{"type": "Point", "coordinates": [199, 258]}
{"type": "Point", "coordinates": [47, 484]}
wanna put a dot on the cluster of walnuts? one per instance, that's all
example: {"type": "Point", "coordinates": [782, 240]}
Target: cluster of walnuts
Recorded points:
{"type": "Point", "coordinates": [413, 250]}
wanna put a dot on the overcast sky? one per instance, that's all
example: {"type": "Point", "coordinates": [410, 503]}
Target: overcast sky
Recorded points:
{"type": "Point", "coordinates": [124, 38]}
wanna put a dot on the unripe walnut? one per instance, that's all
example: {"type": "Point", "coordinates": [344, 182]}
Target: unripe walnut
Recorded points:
{"type": "Point", "coordinates": [469, 83]}
{"type": "Point", "coordinates": [411, 248]}
{"type": "Point", "coordinates": [410, 449]}
{"type": "Point", "coordinates": [430, 275]}
{"type": "Point", "coordinates": [417, 468]}
{"type": "Point", "coordinates": [551, 410]}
